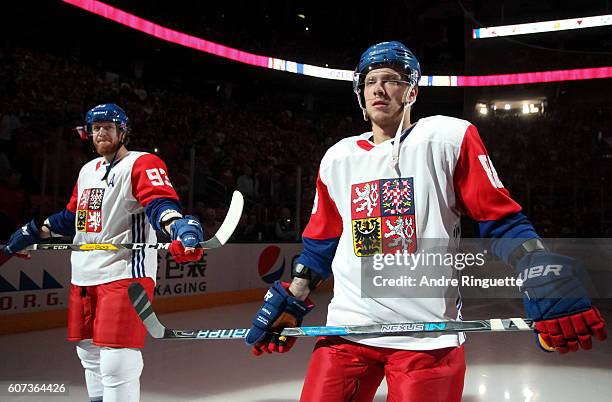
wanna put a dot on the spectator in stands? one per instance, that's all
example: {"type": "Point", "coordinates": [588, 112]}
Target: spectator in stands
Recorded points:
{"type": "Point", "coordinates": [209, 222]}
{"type": "Point", "coordinates": [171, 118]}
{"type": "Point", "coordinates": [246, 183]}
{"type": "Point", "coordinates": [285, 226]}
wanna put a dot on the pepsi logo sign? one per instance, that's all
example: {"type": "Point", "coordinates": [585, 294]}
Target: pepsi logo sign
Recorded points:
{"type": "Point", "coordinates": [271, 264]}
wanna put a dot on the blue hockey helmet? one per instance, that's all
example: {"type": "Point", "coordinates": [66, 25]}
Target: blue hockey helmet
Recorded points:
{"type": "Point", "coordinates": [108, 112]}
{"type": "Point", "coordinates": [392, 54]}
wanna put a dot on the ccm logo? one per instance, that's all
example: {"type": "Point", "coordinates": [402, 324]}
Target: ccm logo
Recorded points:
{"type": "Point", "coordinates": [540, 270]}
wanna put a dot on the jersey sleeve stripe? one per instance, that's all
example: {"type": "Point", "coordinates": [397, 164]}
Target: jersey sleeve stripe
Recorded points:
{"type": "Point", "coordinates": [141, 256]}
{"type": "Point", "coordinates": [133, 219]}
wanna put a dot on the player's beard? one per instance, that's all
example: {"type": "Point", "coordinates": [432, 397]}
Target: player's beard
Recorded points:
{"type": "Point", "coordinates": [107, 148]}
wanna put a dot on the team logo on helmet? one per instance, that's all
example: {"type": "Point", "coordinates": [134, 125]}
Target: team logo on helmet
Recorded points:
{"type": "Point", "coordinates": [271, 264]}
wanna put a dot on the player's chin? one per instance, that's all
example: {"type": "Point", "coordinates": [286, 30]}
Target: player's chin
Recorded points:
{"type": "Point", "coordinates": [104, 148]}
{"type": "Point", "coordinates": [381, 117]}
{"type": "Point", "coordinates": [373, 114]}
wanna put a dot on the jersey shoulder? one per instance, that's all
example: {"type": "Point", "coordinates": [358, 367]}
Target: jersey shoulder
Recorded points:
{"type": "Point", "coordinates": [133, 156]}
{"type": "Point", "coordinates": [92, 165]}
{"type": "Point", "coordinates": [143, 160]}
{"type": "Point", "coordinates": [346, 147]}
{"type": "Point", "coordinates": [444, 129]}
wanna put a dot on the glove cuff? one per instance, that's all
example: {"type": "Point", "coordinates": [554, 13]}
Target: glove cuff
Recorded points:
{"type": "Point", "coordinates": [283, 288]}
{"type": "Point", "coordinates": [34, 226]}
{"type": "Point", "coordinates": [167, 217]}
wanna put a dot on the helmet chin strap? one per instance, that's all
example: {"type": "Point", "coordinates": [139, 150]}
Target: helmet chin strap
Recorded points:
{"type": "Point", "coordinates": [394, 163]}
{"type": "Point", "coordinates": [362, 106]}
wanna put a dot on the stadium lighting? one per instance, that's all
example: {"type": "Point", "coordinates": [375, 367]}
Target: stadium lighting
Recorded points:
{"type": "Point", "coordinates": [523, 106]}
{"type": "Point", "coordinates": [170, 35]}
{"type": "Point", "coordinates": [543, 26]}
{"type": "Point", "coordinates": [482, 108]}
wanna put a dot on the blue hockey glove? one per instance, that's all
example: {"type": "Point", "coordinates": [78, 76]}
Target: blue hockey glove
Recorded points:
{"type": "Point", "coordinates": [22, 238]}
{"type": "Point", "coordinates": [186, 232]}
{"type": "Point", "coordinates": [279, 310]}
{"type": "Point", "coordinates": [554, 297]}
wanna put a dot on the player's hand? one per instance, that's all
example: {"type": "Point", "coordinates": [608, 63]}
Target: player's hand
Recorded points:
{"type": "Point", "coordinates": [555, 299]}
{"type": "Point", "coordinates": [572, 332]}
{"type": "Point", "coordinates": [279, 310]}
{"type": "Point", "coordinates": [22, 238]}
{"type": "Point", "coordinates": [186, 234]}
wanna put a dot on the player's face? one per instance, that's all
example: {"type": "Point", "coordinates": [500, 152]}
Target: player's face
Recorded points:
{"type": "Point", "coordinates": [105, 137]}
{"type": "Point", "coordinates": [384, 91]}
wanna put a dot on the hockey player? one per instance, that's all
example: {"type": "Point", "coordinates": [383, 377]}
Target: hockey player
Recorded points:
{"type": "Point", "coordinates": [417, 177]}
{"type": "Point", "coordinates": [121, 197]}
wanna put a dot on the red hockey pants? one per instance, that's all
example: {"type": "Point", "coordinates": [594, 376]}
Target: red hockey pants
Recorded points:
{"type": "Point", "coordinates": [343, 371]}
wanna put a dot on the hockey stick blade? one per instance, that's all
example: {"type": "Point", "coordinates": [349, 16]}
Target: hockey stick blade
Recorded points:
{"type": "Point", "coordinates": [219, 239]}
{"type": "Point", "coordinates": [144, 309]}
{"type": "Point", "coordinates": [157, 330]}
{"type": "Point", "coordinates": [229, 224]}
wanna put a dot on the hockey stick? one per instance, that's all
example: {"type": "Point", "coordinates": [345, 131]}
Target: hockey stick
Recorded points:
{"type": "Point", "coordinates": [157, 330]}
{"type": "Point", "coordinates": [219, 239]}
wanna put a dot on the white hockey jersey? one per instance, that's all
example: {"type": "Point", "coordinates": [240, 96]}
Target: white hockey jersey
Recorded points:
{"type": "Point", "coordinates": [112, 211]}
{"type": "Point", "coordinates": [445, 171]}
